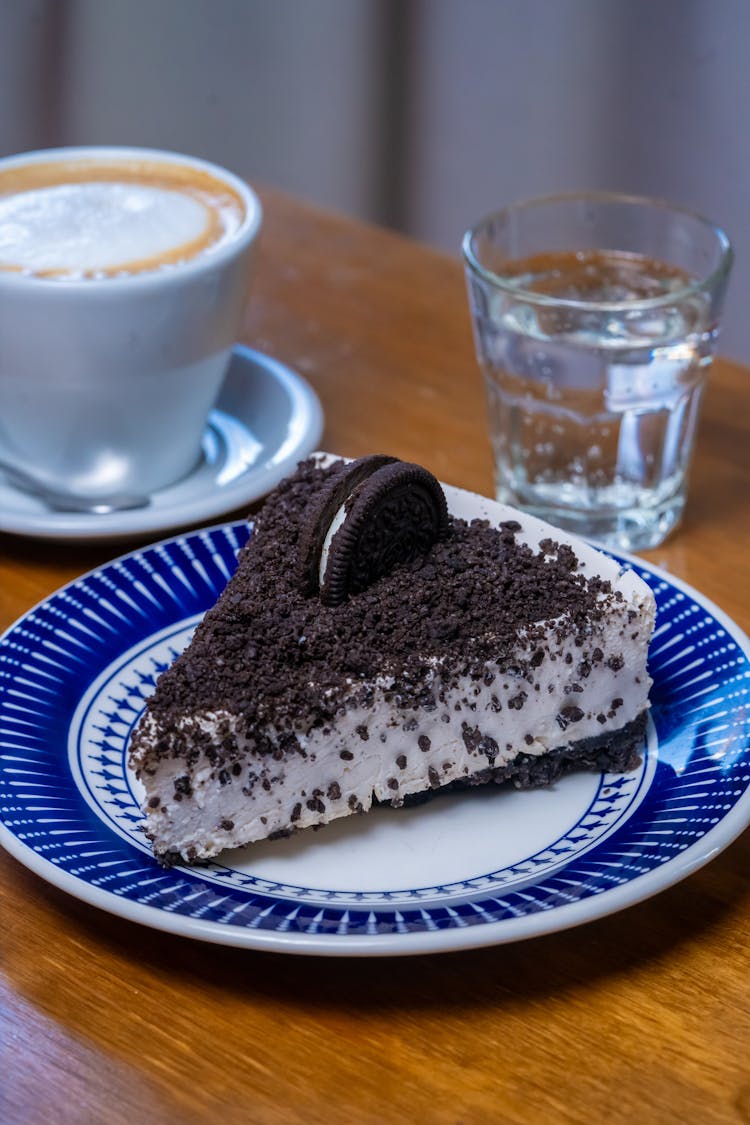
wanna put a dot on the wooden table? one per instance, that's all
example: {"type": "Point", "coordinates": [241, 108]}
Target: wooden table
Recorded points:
{"type": "Point", "coordinates": [640, 1017]}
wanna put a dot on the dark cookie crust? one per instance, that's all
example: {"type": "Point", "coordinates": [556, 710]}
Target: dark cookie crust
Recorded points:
{"type": "Point", "coordinates": [615, 752]}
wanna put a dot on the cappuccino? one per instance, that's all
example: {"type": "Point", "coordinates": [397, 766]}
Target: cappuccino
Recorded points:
{"type": "Point", "coordinates": [76, 219]}
{"type": "Point", "coordinates": [123, 285]}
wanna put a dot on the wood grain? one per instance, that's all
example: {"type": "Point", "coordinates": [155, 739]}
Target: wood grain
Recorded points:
{"type": "Point", "coordinates": [641, 1017]}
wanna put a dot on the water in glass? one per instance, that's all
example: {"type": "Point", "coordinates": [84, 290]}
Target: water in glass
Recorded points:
{"type": "Point", "coordinates": [594, 396]}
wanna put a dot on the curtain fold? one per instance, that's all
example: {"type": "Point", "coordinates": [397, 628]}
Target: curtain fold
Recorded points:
{"type": "Point", "coordinates": [421, 114]}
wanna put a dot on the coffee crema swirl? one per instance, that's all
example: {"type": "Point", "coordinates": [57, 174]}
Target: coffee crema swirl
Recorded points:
{"type": "Point", "coordinates": [90, 219]}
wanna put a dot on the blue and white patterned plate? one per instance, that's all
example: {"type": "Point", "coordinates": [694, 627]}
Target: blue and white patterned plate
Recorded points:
{"type": "Point", "coordinates": [464, 870]}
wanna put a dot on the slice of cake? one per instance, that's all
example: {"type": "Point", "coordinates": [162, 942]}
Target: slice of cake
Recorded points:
{"type": "Point", "coordinates": [374, 644]}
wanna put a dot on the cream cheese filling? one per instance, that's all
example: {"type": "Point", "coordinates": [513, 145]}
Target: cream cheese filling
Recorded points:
{"type": "Point", "coordinates": [384, 752]}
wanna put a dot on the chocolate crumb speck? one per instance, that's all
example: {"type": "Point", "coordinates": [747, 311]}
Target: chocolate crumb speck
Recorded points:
{"type": "Point", "coordinates": [568, 715]}
{"type": "Point", "coordinates": [182, 787]}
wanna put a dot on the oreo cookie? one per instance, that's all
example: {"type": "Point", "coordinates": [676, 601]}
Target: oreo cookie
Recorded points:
{"type": "Point", "coordinates": [322, 511]}
{"type": "Point", "coordinates": [385, 513]}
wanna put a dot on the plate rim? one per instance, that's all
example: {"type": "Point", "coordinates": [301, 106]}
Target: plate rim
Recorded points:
{"type": "Point", "coordinates": [453, 939]}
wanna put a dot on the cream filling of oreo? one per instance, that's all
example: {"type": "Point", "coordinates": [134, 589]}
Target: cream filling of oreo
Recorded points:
{"type": "Point", "coordinates": [325, 550]}
{"type": "Point", "coordinates": [76, 229]}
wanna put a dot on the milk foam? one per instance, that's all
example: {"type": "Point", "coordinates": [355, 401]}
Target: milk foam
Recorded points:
{"type": "Point", "coordinates": [82, 228]}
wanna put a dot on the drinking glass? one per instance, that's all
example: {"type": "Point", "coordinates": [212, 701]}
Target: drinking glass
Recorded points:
{"type": "Point", "coordinates": [595, 319]}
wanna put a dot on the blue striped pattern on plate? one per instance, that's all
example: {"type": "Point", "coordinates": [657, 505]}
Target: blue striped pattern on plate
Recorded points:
{"type": "Point", "coordinates": [74, 676]}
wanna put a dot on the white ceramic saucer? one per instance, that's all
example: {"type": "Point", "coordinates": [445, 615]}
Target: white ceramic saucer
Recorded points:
{"type": "Point", "coordinates": [265, 420]}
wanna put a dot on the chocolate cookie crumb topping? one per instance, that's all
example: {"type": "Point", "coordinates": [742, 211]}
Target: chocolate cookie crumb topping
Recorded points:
{"type": "Point", "coordinates": [467, 604]}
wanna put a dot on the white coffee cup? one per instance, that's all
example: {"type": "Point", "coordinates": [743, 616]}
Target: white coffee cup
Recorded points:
{"type": "Point", "coordinates": [114, 347]}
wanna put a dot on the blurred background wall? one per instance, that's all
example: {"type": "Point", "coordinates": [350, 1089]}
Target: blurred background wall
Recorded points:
{"type": "Point", "coordinates": [420, 114]}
